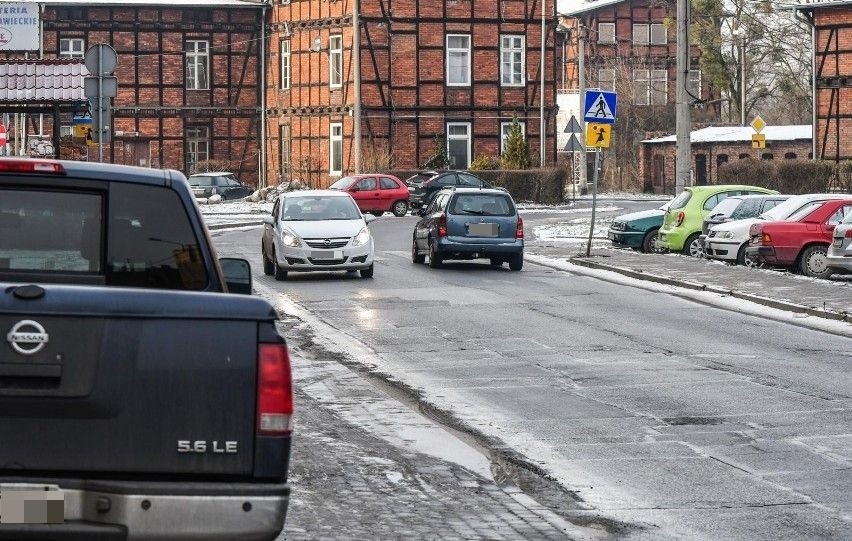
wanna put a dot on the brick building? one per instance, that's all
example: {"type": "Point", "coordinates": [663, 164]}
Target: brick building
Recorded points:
{"type": "Point", "coordinates": [714, 146]}
{"type": "Point", "coordinates": [631, 49]}
{"type": "Point", "coordinates": [456, 70]}
{"type": "Point", "coordinates": [832, 84]}
{"type": "Point", "coordinates": [187, 74]}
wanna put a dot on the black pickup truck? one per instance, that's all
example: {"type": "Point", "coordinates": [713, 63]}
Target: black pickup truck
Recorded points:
{"type": "Point", "coordinates": [140, 398]}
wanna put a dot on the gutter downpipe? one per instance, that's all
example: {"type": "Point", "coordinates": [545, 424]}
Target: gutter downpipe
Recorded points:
{"type": "Point", "coordinates": [356, 93]}
{"type": "Point", "coordinates": [810, 22]}
{"type": "Point", "coordinates": [261, 168]}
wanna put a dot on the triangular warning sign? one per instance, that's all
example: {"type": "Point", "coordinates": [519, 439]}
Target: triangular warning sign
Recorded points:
{"type": "Point", "coordinates": [573, 144]}
{"type": "Point", "coordinates": [599, 110]}
{"type": "Point", "coordinates": [573, 126]}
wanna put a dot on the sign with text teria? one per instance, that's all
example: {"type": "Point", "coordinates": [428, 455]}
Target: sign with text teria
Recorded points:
{"type": "Point", "coordinates": [19, 24]}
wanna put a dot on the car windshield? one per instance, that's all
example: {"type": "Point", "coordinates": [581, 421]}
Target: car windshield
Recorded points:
{"type": "Point", "coordinates": [319, 208]}
{"type": "Point", "coordinates": [749, 208]}
{"type": "Point", "coordinates": [680, 201]}
{"type": "Point", "coordinates": [342, 184]}
{"type": "Point", "coordinates": [783, 210]}
{"type": "Point", "coordinates": [482, 205]}
{"type": "Point", "coordinates": [727, 206]}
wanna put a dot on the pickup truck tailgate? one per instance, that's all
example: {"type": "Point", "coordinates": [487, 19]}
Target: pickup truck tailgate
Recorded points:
{"type": "Point", "coordinates": [159, 382]}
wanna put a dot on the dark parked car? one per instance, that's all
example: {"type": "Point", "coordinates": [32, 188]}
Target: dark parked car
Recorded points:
{"type": "Point", "coordinates": [219, 183]}
{"type": "Point", "coordinates": [422, 187]}
{"type": "Point", "coordinates": [470, 223]}
{"type": "Point", "coordinates": [738, 207]}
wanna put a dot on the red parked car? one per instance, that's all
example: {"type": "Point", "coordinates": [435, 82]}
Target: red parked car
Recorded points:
{"type": "Point", "coordinates": [800, 242]}
{"type": "Point", "coordinates": [376, 193]}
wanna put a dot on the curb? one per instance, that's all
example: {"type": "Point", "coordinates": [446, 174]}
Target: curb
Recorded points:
{"type": "Point", "coordinates": [697, 286]}
{"type": "Point", "coordinates": [232, 225]}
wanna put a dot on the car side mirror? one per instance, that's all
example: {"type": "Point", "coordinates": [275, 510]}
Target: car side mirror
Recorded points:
{"type": "Point", "coordinates": [237, 273]}
{"type": "Point", "coordinates": [269, 220]}
{"type": "Point", "coordinates": [369, 218]}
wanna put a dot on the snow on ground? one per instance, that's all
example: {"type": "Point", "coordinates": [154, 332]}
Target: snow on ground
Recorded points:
{"type": "Point", "coordinates": [539, 209]}
{"type": "Point", "coordinates": [572, 230]}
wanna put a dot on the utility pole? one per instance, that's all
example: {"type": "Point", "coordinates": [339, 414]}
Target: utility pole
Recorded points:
{"type": "Point", "coordinates": [581, 76]}
{"type": "Point", "coordinates": [742, 83]}
{"type": "Point", "coordinates": [542, 127]}
{"type": "Point", "coordinates": [684, 150]}
{"type": "Point", "coordinates": [356, 91]}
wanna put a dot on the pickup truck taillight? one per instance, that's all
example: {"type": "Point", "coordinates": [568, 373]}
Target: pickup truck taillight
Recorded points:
{"type": "Point", "coordinates": [442, 225]}
{"type": "Point", "coordinates": [519, 232]}
{"type": "Point", "coordinates": [274, 391]}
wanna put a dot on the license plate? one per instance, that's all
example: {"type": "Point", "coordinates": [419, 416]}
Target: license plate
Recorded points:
{"type": "Point", "coordinates": [482, 230]}
{"type": "Point", "coordinates": [838, 242]}
{"type": "Point", "coordinates": [26, 503]}
{"type": "Point", "coordinates": [326, 254]}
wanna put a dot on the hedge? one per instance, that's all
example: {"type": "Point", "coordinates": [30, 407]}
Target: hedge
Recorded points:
{"type": "Point", "coordinates": [790, 176]}
{"type": "Point", "coordinates": [545, 186]}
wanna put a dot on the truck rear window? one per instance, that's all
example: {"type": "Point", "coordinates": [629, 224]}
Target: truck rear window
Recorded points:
{"type": "Point", "coordinates": [149, 239]}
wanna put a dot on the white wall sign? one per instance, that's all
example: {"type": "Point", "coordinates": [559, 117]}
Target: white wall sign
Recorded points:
{"type": "Point", "coordinates": [19, 26]}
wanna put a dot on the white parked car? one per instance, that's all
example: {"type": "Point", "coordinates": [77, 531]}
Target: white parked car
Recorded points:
{"type": "Point", "coordinates": [728, 241]}
{"type": "Point", "coordinates": [840, 252]}
{"type": "Point", "coordinates": [317, 230]}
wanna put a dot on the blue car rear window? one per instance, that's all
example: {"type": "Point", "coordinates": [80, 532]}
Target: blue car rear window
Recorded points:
{"type": "Point", "coordinates": [482, 205]}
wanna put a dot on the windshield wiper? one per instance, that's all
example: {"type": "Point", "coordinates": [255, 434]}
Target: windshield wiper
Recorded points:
{"type": "Point", "coordinates": [477, 212]}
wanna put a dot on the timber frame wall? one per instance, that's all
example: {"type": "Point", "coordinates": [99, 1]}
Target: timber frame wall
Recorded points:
{"type": "Point", "coordinates": [833, 55]}
{"type": "Point", "coordinates": [405, 101]}
{"type": "Point", "coordinates": [154, 107]}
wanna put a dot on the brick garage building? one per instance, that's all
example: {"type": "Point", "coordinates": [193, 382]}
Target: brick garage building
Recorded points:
{"type": "Point", "coordinates": [187, 77]}
{"type": "Point", "coordinates": [714, 146]}
{"type": "Point", "coordinates": [832, 87]}
{"type": "Point", "coordinates": [457, 70]}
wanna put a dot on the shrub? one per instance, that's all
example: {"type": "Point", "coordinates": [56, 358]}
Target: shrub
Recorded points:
{"type": "Point", "coordinates": [485, 163]}
{"type": "Point", "coordinates": [517, 153]}
{"type": "Point", "coordinates": [788, 176]}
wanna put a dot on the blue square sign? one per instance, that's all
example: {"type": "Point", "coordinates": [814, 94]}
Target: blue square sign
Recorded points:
{"type": "Point", "coordinates": [600, 106]}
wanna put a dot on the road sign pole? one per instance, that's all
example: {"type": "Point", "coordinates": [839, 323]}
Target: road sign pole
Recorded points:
{"type": "Point", "coordinates": [100, 106]}
{"type": "Point", "coordinates": [594, 199]}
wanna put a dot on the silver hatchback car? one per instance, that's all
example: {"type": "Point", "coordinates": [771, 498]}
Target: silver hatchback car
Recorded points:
{"type": "Point", "coordinates": [840, 251]}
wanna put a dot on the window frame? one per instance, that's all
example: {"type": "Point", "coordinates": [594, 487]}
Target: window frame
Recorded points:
{"type": "Point", "coordinates": [504, 133]}
{"type": "Point", "coordinates": [196, 59]}
{"type": "Point", "coordinates": [601, 33]}
{"type": "Point", "coordinates": [467, 52]}
{"type": "Point", "coordinates": [511, 51]}
{"type": "Point", "coordinates": [190, 142]}
{"type": "Point", "coordinates": [72, 52]}
{"type": "Point", "coordinates": [611, 81]}
{"type": "Point", "coordinates": [642, 28]}
{"type": "Point", "coordinates": [658, 26]}
{"type": "Point", "coordinates": [335, 61]}
{"type": "Point", "coordinates": [693, 83]}
{"type": "Point", "coordinates": [286, 65]}
{"type": "Point", "coordinates": [335, 139]}
{"type": "Point", "coordinates": [468, 137]}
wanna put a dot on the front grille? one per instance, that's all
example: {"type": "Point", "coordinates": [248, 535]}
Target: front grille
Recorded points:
{"type": "Point", "coordinates": [332, 243]}
{"type": "Point", "coordinates": [321, 262]}
{"type": "Point", "coordinates": [618, 226]}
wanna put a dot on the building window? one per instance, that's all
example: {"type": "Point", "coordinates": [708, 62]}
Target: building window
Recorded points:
{"type": "Point", "coordinates": [197, 145]}
{"type": "Point", "coordinates": [694, 84]}
{"type": "Point", "coordinates": [284, 150]}
{"type": "Point", "coordinates": [606, 79]}
{"type": "Point", "coordinates": [458, 144]}
{"type": "Point", "coordinates": [654, 34]}
{"type": "Point", "coordinates": [72, 48]}
{"type": "Point", "coordinates": [606, 32]}
{"type": "Point", "coordinates": [745, 156]}
{"type": "Point", "coordinates": [335, 61]}
{"type": "Point", "coordinates": [640, 34]}
{"type": "Point", "coordinates": [197, 64]}
{"type": "Point", "coordinates": [458, 60]}
{"type": "Point", "coordinates": [766, 156]}
{"type": "Point", "coordinates": [659, 35]}
{"type": "Point", "coordinates": [790, 156]}
{"type": "Point", "coordinates": [335, 152]}
{"type": "Point", "coordinates": [650, 87]}
{"type": "Point", "coordinates": [285, 64]}
{"type": "Point", "coordinates": [504, 133]}
{"type": "Point", "coordinates": [721, 160]}
{"type": "Point", "coordinates": [512, 55]}
{"type": "Point", "coordinates": [66, 131]}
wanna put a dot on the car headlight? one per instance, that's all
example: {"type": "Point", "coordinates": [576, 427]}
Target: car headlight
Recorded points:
{"type": "Point", "coordinates": [289, 239]}
{"type": "Point", "coordinates": [362, 238]}
{"type": "Point", "coordinates": [728, 235]}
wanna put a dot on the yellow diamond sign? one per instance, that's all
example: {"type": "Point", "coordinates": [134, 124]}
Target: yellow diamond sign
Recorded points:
{"type": "Point", "coordinates": [758, 124]}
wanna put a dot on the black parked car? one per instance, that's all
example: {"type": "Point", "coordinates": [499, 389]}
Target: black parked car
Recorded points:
{"type": "Point", "coordinates": [422, 187]}
{"type": "Point", "coordinates": [222, 183]}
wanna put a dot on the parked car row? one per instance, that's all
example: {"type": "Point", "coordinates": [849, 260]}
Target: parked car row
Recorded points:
{"type": "Point", "coordinates": [747, 225]}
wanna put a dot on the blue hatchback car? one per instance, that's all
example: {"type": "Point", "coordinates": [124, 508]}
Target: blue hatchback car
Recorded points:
{"type": "Point", "coordinates": [470, 223]}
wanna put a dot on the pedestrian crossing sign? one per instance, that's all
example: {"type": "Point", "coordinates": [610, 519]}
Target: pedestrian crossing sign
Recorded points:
{"type": "Point", "coordinates": [600, 106]}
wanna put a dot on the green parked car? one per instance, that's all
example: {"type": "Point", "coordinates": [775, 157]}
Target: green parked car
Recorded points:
{"type": "Point", "coordinates": [685, 216]}
{"type": "Point", "coordinates": [638, 230]}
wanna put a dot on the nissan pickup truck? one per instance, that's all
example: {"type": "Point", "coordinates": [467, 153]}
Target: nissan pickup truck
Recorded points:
{"type": "Point", "coordinates": [143, 393]}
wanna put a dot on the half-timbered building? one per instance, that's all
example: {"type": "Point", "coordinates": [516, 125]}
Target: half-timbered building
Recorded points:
{"type": "Point", "coordinates": [417, 77]}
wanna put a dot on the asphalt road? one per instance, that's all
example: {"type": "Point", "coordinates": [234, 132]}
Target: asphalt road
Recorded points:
{"type": "Point", "coordinates": [679, 419]}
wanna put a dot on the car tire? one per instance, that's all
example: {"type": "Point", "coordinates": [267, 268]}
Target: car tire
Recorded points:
{"type": "Point", "coordinates": [435, 259]}
{"type": "Point", "coordinates": [268, 266]}
{"type": "Point", "coordinates": [280, 274]}
{"type": "Point", "coordinates": [416, 257]}
{"type": "Point", "coordinates": [516, 262]}
{"type": "Point", "coordinates": [368, 272]}
{"type": "Point", "coordinates": [649, 243]}
{"type": "Point", "coordinates": [814, 262]}
{"type": "Point", "coordinates": [496, 262]}
{"type": "Point", "coordinates": [692, 246]}
{"type": "Point", "coordinates": [743, 258]}
{"type": "Point", "coordinates": [400, 208]}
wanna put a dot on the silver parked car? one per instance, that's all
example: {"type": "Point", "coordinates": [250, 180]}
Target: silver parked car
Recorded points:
{"type": "Point", "coordinates": [840, 252]}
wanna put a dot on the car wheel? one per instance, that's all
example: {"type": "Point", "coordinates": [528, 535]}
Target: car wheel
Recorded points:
{"type": "Point", "coordinates": [280, 274]}
{"type": "Point", "coordinates": [649, 243]}
{"type": "Point", "coordinates": [516, 262]}
{"type": "Point", "coordinates": [416, 258]}
{"type": "Point", "coordinates": [435, 259]}
{"type": "Point", "coordinates": [744, 259]}
{"type": "Point", "coordinates": [496, 262]}
{"type": "Point", "coordinates": [400, 208]}
{"type": "Point", "coordinates": [268, 266]}
{"type": "Point", "coordinates": [814, 262]}
{"type": "Point", "coordinates": [368, 272]}
{"type": "Point", "coordinates": [692, 246]}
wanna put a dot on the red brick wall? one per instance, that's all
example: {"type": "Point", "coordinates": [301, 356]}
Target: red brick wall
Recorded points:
{"type": "Point", "coordinates": [834, 82]}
